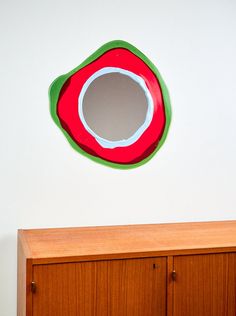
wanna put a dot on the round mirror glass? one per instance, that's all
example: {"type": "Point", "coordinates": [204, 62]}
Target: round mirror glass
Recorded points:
{"type": "Point", "coordinates": [114, 106]}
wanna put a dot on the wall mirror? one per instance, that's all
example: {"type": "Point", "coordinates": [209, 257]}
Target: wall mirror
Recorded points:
{"type": "Point", "coordinates": [114, 108]}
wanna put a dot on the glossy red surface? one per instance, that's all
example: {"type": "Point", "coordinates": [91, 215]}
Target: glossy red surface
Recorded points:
{"type": "Point", "coordinates": [67, 109]}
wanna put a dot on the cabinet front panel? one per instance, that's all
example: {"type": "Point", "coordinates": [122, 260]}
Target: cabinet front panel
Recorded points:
{"type": "Point", "coordinates": [137, 287]}
{"type": "Point", "coordinates": [202, 284]}
{"type": "Point", "coordinates": [132, 287]}
{"type": "Point", "coordinates": [55, 290]}
{"type": "Point", "coordinates": [232, 285]}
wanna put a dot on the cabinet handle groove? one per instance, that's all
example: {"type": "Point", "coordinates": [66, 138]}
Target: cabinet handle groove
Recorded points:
{"type": "Point", "coordinates": [33, 287]}
{"type": "Point", "coordinates": [173, 275]}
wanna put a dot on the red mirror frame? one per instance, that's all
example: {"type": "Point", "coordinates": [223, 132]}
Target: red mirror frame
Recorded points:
{"type": "Point", "coordinates": [65, 92]}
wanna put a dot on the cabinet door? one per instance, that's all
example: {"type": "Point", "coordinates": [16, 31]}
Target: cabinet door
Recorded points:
{"type": "Point", "coordinates": [132, 287]}
{"type": "Point", "coordinates": [232, 285]}
{"type": "Point", "coordinates": [201, 285]}
{"type": "Point", "coordinates": [137, 287]}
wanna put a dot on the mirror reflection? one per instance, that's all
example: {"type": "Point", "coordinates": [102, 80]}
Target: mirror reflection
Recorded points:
{"type": "Point", "coordinates": [114, 106]}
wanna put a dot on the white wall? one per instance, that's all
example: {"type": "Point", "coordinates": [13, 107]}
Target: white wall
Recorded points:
{"type": "Point", "coordinates": [45, 183]}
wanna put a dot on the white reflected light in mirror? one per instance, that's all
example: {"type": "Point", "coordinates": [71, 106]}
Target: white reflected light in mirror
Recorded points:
{"type": "Point", "coordinates": [116, 107]}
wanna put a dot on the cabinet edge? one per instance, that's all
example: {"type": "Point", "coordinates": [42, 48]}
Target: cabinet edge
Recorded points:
{"type": "Point", "coordinates": [24, 278]}
{"type": "Point", "coordinates": [120, 256]}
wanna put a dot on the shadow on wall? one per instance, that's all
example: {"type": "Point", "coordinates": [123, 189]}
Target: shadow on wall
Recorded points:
{"type": "Point", "coordinates": [8, 275]}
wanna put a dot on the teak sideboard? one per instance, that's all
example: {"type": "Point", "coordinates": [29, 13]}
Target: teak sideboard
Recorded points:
{"type": "Point", "coordinates": [180, 269]}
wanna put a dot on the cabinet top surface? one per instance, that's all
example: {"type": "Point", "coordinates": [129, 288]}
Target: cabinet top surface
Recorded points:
{"type": "Point", "coordinates": [103, 242]}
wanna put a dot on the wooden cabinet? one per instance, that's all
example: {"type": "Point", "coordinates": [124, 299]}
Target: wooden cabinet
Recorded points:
{"type": "Point", "coordinates": [185, 269]}
{"type": "Point", "coordinates": [201, 286]}
{"type": "Point", "coordinates": [111, 287]}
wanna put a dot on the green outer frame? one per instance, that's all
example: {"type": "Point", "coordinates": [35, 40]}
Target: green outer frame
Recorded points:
{"type": "Point", "coordinates": [57, 84]}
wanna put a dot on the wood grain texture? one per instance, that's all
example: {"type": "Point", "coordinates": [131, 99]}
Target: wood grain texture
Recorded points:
{"type": "Point", "coordinates": [133, 287]}
{"type": "Point", "coordinates": [170, 285]}
{"type": "Point", "coordinates": [55, 290]}
{"type": "Point", "coordinates": [137, 287]}
{"type": "Point", "coordinates": [231, 285]}
{"type": "Point", "coordinates": [92, 243]}
{"type": "Point", "coordinates": [201, 286]}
